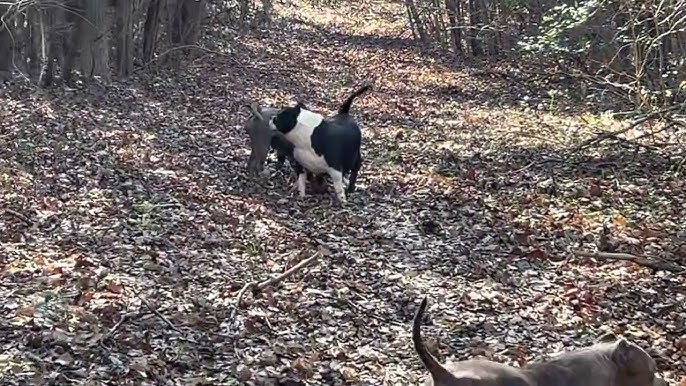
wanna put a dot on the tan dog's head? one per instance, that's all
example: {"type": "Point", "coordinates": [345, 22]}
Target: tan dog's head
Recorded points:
{"type": "Point", "coordinates": [634, 366]}
{"type": "Point", "coordinates": [257, 126]}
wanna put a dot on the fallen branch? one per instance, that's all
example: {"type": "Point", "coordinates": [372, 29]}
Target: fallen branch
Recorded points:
{"type": "Point", "coordinates": [259, 286]}
{"type": "Point", "coordinates": [220, 159]}
{"type": "Point", "coordinates": [614, 134]}
{"type": "Point", "coordinates": [18, 216]}
{"type": "Point", "coordinates": [640, 260]}
{"type": "Point", "coordinates": [165, 320]}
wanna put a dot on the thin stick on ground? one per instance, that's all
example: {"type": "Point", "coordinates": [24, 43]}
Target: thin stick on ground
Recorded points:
{"type": "Point", "coordinates": [259, 286]}
{"type": "Point", "coordinates": [126, 317]}
{"type": "Point", "coordinates": [165, 320]}
{"type": "Point", "coordinates": [18, 216]}
{"type": "Point", "coordinates": [640, 260]}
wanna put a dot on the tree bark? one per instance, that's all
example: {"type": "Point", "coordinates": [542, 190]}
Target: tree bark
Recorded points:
{"type": "Point", "coordinates": [186, 20]}
{"type": "Point", "coordinates": [415, 20]}
{"type": "Point", "coordinates": [267, 12]}
{"type": "Point", "coordinates": [455, 32]}
{"type": "Point", "coordinates": [42, 44]}
{"type": "Point", "coordinates": [70, 41]}
{"type": "Point", "coordinates": [124, 28]}
{"type": "Point", "coordinates": [6, 46]}
{"type": "Point", "coordinates": [33, 49]}
{"type": "Point", "coordinates": [94, 43]}
{"type": "Point", "coordinates": [475, 23]}
{"type": "Point", "coordinates": [152, 25]}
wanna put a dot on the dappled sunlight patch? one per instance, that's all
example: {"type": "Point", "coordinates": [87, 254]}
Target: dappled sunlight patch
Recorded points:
{"type": "Point", "coordinates": [375, 18]}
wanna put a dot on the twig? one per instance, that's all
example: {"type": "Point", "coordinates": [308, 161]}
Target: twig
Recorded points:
{"type": "Point", "coordinates": [640, 260]}
{"type": "Point", "coordinates": [259, 286]}
{"type": "Point", "coordinates": [165, 320]}
{"type": "Point", "coordinates": [19, 216]}
{"type": "Point", "coordinates": [220, 159]}
{"type": "Point", "coordinates": [114, 328]}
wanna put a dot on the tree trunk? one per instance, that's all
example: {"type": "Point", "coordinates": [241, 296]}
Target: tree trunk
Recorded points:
{"type": "Point", "coordinates": [70, 41]}
{"type": "Point", "coordinates": [93, 42]}
{"type": "Point", "coordinates": [21, 40]}
{"type": "Point", "coordinates": [5, 46]}
{"type": "Point", "coordinates": [455, 31]}
{"type": "Point", "coordinates": [486, 17]}
{"type": "Point", "coordinates": [475, 24]}
{"type": "Point", "coordinates": [43, 44]}
{"type": "Point", "coordinates": [439, 26]}
{"type": "Point", "coordinates": [186, 20]}
{"type": "Point", "coordinates": [415, 20]}
{"type": "Point", "coordinates": [244, 12]}
{"type": "Point", "coordinates": [33, 48]}
{"type": "Point", "coordinates": [267, 12]}
{"type": "Point", "coordinates": [124, 28]}
{"type": "Point", "coordinates": [152, 25]}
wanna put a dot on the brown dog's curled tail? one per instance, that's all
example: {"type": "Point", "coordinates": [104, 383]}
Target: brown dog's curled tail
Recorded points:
{"type": "Point", "coordinates": [437, 371]}
{"type": "Point", "coordinates": [345, 107]}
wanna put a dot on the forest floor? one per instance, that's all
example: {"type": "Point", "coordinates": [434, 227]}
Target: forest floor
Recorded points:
{"type": "Point", "coordinates": [128, 224]}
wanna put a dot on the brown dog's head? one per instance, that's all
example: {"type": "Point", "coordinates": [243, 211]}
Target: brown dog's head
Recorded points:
{"type": "Point", "coordinates": [634, 366]}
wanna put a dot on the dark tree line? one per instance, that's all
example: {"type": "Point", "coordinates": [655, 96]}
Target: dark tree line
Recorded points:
{"type": "Point", "coordinates": [46, 40]}
{"type": "Point", "coordinates": [636, 47]}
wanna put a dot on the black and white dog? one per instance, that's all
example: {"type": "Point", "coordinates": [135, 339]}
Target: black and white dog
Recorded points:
{"type": "Point", "coordinates": [323, 145]}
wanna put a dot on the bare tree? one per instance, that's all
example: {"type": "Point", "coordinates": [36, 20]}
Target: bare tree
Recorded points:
{"type": "Point", "coordinates": [124, 31]}
{"type": "Point", "coordinates": [93, 41]}
{"type": "Point", "coordinates": [6, 45]}
{"type": "Point", "coordinates": [152, 25]}
{"type": "Point", "coordinates": [185, 19]}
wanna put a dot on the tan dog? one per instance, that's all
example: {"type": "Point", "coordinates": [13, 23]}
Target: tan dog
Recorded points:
{"type": "Point", "coordinates": [262, 139]}
{"type": "Point", "coordinates": [616, 363]}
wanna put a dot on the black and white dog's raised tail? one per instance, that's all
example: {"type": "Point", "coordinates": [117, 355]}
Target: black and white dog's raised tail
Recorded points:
{"type": "Point", "coordinates": [323, 145]}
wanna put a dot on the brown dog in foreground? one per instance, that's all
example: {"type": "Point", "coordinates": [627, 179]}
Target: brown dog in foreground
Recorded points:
{"type": "Point", "coordinates": [616, 363]}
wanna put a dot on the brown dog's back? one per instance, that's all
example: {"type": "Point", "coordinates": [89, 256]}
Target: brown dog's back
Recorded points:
{"type": "Point", "coordinates": [474, 372]}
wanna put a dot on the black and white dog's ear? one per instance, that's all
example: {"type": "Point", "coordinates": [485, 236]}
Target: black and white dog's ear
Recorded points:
{"type": "Point", "coordinates": [255, 111]}
{"type": "Point", "coordinates": [301, 105]}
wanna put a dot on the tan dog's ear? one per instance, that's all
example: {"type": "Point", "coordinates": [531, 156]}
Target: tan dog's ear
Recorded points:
{"type": "Point", "coordinates": [631, 358]}
{"type": "Point", "coordinates": [622, 355]}
{"type": "Point", "coordinates": [256, 111]}
{"type": "Point", "coordinates": [607, 337]}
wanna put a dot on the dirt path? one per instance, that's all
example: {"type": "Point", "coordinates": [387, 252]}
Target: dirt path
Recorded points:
{"type": "Point", "coordinates": [124, 244]}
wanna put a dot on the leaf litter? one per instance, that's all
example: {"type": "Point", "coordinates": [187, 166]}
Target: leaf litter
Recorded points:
{"type": "Point", "coordinates": [125, 243]}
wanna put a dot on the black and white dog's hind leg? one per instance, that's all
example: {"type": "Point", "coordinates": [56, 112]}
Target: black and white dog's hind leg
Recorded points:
{"type": "Point", "coordinates": [353, 173]}
{"type": "Point", "coordinates": [338, 186]}
{"type": "Point", "coordinates": [285, 149]}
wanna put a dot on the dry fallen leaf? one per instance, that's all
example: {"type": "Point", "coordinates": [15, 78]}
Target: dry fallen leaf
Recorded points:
{"type": "Point", "coordinates": [115, 288]}
{"type": "Point", "coordinates": [64, 360]}
{"type": "Point", "coordinates": [26, 311]}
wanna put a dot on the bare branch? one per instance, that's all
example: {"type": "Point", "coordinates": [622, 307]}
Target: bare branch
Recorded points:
{"type": "Point", "coordinates": [259, 286]}
{"type": "Point", "coordinates": [640, 260]}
